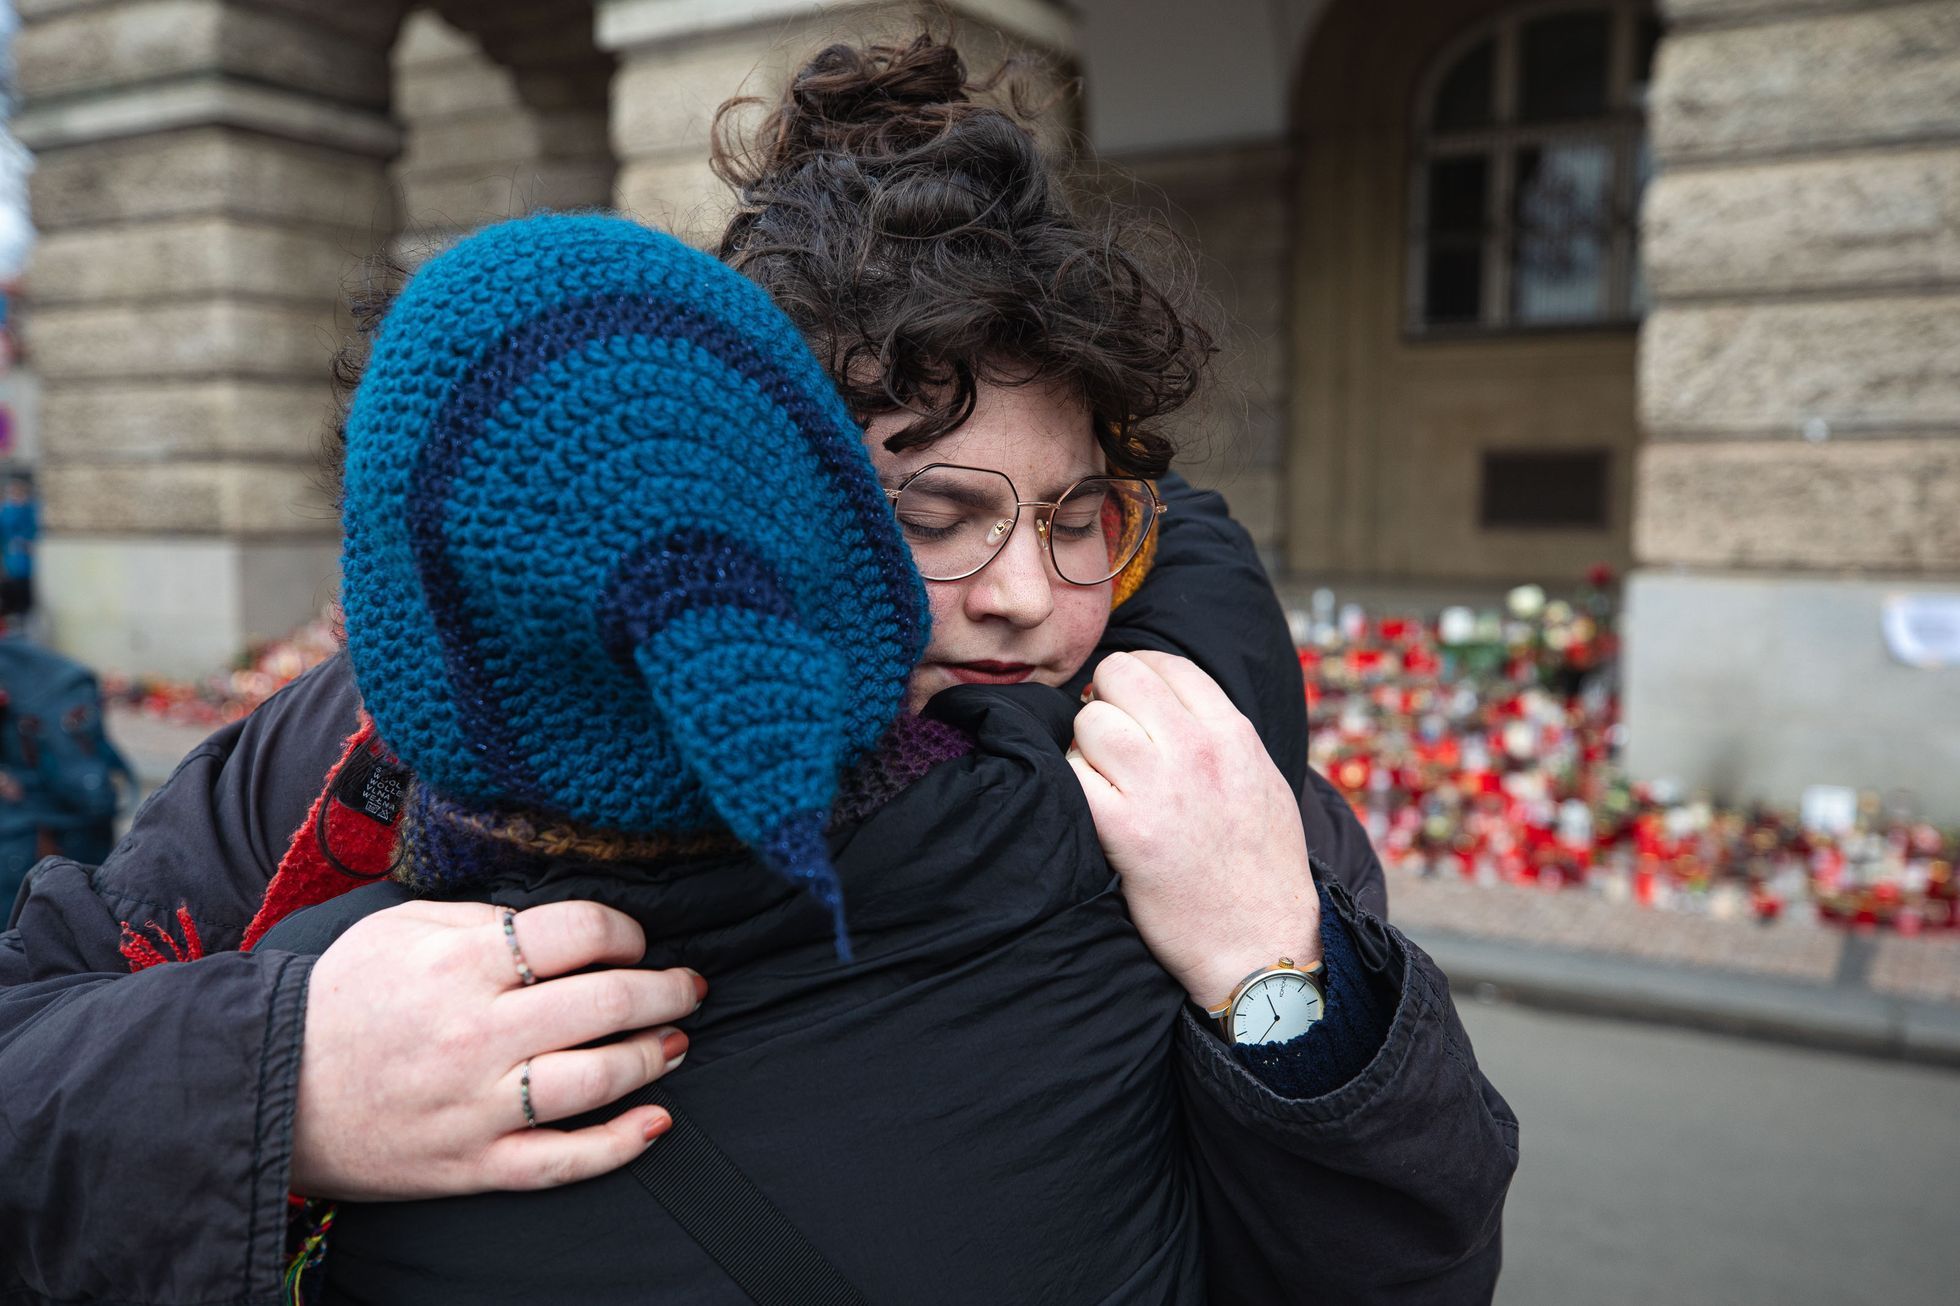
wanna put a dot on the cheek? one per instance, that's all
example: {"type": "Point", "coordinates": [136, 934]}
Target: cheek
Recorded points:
{"type": "Point", "coordinates": [1080, 617]}
{"type": "Point", "coordinates": [943, 598]}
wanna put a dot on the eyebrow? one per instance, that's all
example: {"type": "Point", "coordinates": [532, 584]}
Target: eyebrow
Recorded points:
{"type": "Point", "coordinates": [974, 499]}
{"type": "Point", "coordinates": [1066, 486]}
{"type": "Point", "coordinates": [961, 494]}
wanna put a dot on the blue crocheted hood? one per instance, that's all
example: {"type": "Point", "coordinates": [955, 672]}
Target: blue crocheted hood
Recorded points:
{"type": "Point", "coordinates": [614, 548]}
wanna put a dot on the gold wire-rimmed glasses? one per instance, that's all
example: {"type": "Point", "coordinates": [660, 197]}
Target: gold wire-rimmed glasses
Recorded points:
{"type": "Point", "coordinates": [957, 519]}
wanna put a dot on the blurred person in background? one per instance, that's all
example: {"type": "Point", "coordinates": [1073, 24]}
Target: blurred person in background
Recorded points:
{"type": "Point", "coordinates": [61, 780]}
{"type": "Point", "coordinates": [20, 527]}
{"type": "Point", "coordinates": [915, 240]}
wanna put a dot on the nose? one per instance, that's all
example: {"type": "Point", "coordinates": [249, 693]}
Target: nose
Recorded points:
{"type": "Point", "coordinates": [1018, 585]}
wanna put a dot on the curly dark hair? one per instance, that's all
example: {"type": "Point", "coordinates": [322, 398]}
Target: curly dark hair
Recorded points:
{"type": "Point", "coordinates": [922, 243]}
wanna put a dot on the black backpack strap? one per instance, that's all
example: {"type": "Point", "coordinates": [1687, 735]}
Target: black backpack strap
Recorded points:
{"type": "Point", "coordinates": [723, 1211]}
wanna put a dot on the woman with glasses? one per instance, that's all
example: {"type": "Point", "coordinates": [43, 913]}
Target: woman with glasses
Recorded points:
{"type": "Point", "coordinates": [1107, 1033]}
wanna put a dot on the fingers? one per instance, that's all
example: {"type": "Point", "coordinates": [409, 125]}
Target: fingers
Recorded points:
{"type": "Point", "coordinates": [1111, 742]}
{"type": "Point", "coordinates": [575, 1009]}
{"type": "Point", "coordinates": [1126, 682]}
{"type": "Point", "coordinates": [1095, 788]}
{"type": "Point", "coordinates": [561, 937]}
{"type": "Point", "coordinates": [1200, 694]}
{"type": "Point", "coordinates": [1165, 694]}
{"type": "Point", "coordinates": [567, 1084]}
{"type": "Point", "coordinates": [548, 1158]}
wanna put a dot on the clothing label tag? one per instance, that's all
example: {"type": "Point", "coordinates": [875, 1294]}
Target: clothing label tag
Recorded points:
{"type": "Point", "coordinates": [372, 787]}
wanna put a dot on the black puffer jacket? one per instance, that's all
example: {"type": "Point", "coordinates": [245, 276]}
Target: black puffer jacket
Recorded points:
{"type": "Point", "coordinates": [1070, 1133]}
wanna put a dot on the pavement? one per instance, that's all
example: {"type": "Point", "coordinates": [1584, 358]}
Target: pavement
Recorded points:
{"type": "Point", "coordinates": [151, 745]}
{"type": "Point", "coordinates": [1794, 981]}
{"type": "Point", "coordinates": [1663, 1165]}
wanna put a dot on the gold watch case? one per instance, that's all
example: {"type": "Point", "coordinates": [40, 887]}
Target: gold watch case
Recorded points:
{"type": "Point", "coordinates": [1223, 1013]}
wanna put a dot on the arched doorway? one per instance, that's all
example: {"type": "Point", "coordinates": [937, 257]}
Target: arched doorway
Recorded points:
{"type": "Point", "coordinates": [504, 111]}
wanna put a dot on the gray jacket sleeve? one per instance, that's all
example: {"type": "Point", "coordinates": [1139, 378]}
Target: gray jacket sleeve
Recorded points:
{"type": "Point", "coordinates": [146, 1123]}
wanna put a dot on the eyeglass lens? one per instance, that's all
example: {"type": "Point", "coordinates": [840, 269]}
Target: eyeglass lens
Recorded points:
{"type": "Point", "coordinates": [957, 518]}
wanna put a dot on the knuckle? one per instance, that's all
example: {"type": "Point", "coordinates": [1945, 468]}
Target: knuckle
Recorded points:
{"type": "Point", "coordinates": [557, 1168]}
{"type": "Point", "coordinates": [591, 1084]}
{"type": "Point", "coordinates": [612, 1000]}
{"type": "Point", "coordinates": [450, 954]}
{"type": "Point", "coordinates": [1240, 730]}
{"type": "Point", "coordinates": [587, 927]}
{"type": "Point", "coordinates": [454, 1040]}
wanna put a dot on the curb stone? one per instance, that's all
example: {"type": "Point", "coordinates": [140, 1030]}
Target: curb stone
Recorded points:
{"type": "Point", "coordinates": [1832, 1017]}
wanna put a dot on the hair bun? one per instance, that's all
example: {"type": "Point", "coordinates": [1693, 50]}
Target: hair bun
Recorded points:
{"type": "Point", "coordinates": [845, 84]}
{"type": "Point", "coordinates": [867, 102]}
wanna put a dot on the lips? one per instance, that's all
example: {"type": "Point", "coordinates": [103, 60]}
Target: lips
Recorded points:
{"type": "Point", "coordinates": [989, 673]}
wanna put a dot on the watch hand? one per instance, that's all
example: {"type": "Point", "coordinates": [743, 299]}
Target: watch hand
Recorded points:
{"type": "Point", "coordinates": [1266, 1031]}
{"type": "Point", "coordinates": [1270, 1007]}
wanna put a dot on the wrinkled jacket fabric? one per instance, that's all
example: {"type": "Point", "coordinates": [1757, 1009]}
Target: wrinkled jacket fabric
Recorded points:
{"type": "Point", "coordinates": [1005, 1101]}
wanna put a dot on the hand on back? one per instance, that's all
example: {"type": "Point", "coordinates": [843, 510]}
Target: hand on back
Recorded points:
{"type": "Point", "coordinates": [1198, 821]}
{"type": "Point", "coordinates": [418, 1029]}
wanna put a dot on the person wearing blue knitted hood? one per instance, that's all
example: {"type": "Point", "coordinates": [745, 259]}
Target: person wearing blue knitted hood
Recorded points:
{"type": "Point", "coordinates": [616, 557]}
{"type": "Point", "coordinates": [736, 619]}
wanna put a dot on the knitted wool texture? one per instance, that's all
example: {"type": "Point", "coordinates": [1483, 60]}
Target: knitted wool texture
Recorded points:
{"type": "Point", "coordinates": [615, 552]}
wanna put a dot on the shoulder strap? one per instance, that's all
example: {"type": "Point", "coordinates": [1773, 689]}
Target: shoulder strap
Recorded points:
{"type": "Point", "coordinates": [732, 1220]}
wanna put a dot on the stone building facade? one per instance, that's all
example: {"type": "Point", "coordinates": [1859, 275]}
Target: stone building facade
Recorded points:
{"type": "Point", "coordinates": [1512, 287]}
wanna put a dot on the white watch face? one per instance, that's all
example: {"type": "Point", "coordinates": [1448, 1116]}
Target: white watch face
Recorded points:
{"type": "Point", "coordinates": [1279, 1007]}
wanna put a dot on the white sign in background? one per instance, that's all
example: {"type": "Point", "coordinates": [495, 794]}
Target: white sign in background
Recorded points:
{"type": "Point", "coordinates": [1923, 630]}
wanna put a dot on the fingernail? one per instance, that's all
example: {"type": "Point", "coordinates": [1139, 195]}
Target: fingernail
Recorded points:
{"type": "Point", "coordinates": [1088, 694]}
{"type": "Point", "coordinates": [659, 1125]}
{"type": "Point", "coordinates": [700, 984]}
{"type": "Point", "coordinates": [673, 1048]}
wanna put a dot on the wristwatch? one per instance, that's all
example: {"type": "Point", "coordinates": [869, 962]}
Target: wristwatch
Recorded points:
{"type": "Point", "coordinates": [1272, 1004]}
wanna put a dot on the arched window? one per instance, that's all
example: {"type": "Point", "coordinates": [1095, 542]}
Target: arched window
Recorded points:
{"type": "Point", "coordinates": [1530, 155]}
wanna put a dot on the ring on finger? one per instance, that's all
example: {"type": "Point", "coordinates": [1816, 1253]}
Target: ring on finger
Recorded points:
{"type": "Point", "coordinates": [524, 975]}
{"type": "Point", "coordinates": [524, 1095]}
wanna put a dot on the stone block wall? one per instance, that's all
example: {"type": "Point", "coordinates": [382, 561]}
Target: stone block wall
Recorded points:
{"type": "Point", "coordinates": [1798, 386]}
{"type": "Point", "coordinates": [206, 173]}
{"type": "Point", "coordinates": [1803, 254]}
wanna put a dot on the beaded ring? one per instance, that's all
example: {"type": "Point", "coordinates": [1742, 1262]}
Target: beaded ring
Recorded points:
{"type": "Point", "coordinates": [524, 975]}
{"type": "Point", "coordinates": [524, 1096]}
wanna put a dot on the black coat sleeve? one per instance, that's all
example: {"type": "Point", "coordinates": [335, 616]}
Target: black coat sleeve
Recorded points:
{"type": "Point", "coordinates": [1388, 1189]}
{"type": "Point", "coordinates": [1391, 1187]}
{"type": "Point", "coordinates": [146, 1120]}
